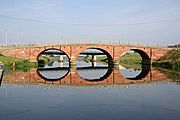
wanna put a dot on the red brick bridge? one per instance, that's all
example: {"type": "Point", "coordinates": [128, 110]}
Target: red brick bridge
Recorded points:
{"type": "Point", "coordinates": [73, 50]}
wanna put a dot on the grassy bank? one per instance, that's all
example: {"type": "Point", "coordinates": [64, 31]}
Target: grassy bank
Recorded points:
{"type": "Point", "coordinates": [170, 61]}
{"type": "Point", "coordinates": [16, 63]}
{"type": "Point", "coordinates": [131, 60]}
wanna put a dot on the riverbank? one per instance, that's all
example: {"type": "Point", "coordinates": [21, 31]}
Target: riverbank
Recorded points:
{"type": "Point", "coordinates": [16, 63]}
{"type": "Point", "coordinates": [171, 61]}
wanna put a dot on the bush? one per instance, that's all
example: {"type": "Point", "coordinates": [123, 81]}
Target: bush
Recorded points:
{"type": "Point", "coordinates": [24, 65]}
{"type": "Point", "coordinates": [171, 55]}
{"type": "Point", "coordinates": [171, 65]}
{"type": "Point", "coordinates": [41, 63]}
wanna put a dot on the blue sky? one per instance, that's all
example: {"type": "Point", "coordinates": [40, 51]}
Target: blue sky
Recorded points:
{"type": "Point", "coordinates": [65, 21]}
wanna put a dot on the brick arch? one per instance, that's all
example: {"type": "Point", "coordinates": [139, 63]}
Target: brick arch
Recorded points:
{"type": "Point", "coordinates": [145, 53]}
{"type": "Point", "coordinates": [145, 57]}
{"type": "Point", "coordinates": [41, 52]}
{"type": "Point", "coordinates": [75, 50]}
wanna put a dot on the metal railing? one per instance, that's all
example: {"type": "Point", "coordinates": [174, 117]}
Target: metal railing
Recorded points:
{"type": "Point", "coordinates": [123, 43]}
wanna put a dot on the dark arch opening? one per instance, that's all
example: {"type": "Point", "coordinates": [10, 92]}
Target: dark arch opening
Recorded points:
{"type": "Point", "coordinates": [137, 64]}
{"type": "Point", "coordinates": [109, 58]}
{"type": "Point", "coordinates": [52, 52]}
{"type": "Point", "coordinates": [144, 72]}
{"type": "Point", "coordinates": [94, 64]}
{"type": "Point", "coordinates": [53, 64]}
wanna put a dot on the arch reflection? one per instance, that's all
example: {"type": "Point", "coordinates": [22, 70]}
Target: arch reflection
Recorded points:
{"type": "Point", "coordinates": [137, 74]}
{"type": "Point", "coordinates": [50, 74]}
{"type": "Point", "coordinates": [94, 74]}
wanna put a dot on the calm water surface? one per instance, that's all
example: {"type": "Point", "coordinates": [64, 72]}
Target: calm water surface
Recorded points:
{"type": "Point", "coordinates": [26, 96]}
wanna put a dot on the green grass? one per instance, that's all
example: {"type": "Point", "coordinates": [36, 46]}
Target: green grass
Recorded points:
{"type": "Point", "coordinates": [25, 65]}
{"type": "Point", "coordinates": [16, 63]}
{"type": "Point", "coordinates": [135, 66]}
{"type": "Point", "coordinates": [89, 57]}
{"type": "Point", "coordinates": [131, 58]}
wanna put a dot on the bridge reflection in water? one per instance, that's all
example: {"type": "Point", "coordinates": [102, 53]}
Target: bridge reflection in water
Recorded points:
{"type": "Point", "coordinates": [67, 76]}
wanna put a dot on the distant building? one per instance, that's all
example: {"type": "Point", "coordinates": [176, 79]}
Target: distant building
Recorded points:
{"type": "Point", "coordinates": [174, 46]}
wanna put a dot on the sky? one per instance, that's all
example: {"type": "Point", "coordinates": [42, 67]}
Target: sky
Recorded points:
{"type": "Point", "coordinates": [146, 22]}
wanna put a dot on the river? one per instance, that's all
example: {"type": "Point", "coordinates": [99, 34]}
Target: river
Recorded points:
{"type": "Point", "coordinates": [86, 93]}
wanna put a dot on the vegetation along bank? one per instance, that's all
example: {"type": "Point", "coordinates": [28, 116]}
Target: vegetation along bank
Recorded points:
{"type": "Point", "coordinates": [171, 61]}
